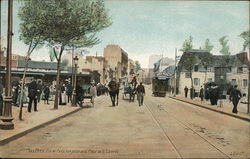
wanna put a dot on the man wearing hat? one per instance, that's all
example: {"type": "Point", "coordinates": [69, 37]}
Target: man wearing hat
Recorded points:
{"type": "Point", "coordinates": [235, 96]}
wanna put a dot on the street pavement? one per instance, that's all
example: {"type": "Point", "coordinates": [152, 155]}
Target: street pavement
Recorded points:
{"type": "Point", "coordinates": [161, 128]}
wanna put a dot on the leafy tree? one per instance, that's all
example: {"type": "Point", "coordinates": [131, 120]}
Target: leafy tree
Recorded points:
{"type": "Point", "coordinates": [67, 24]}
{"type": "Point", "coordinates": [30, 34]}
{"type": "Point", "coordinates": [206, 61]}
{"type": "Point", "coordinates": [208, 46]}
{"type": "Point", "coordinates": [137, 66]}
{"type": "Point", "coordinates": [188, 62]}
{"type": "Point", "coordinates": [224, 50]}
{"type": "Point", "coordinates": [246, 36]}
{"type": "Point", "coordinates": [187, 44]}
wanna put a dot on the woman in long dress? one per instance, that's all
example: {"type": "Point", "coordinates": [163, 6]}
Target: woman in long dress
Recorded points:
{"type": "Point", "coordinates": [93, 92]}
{"type": "Point", "coordinates": [63, 95]}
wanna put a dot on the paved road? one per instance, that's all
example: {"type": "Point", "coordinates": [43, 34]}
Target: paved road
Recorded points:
{"type": "Point", "coordinates": [162, 128]}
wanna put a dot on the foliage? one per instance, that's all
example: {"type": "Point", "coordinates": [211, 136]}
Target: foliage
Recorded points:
{"type": "Point", "coordinates": [137, 66]}
{"type": "Point", "coordinates": [187, 44]}
{"type": "Point", "coordinates": [67, 23]}
{"type": "Point", "coordinates": [224, 50]}
{"type": "Point", "coordinates": [208, 46]}
{"type": "Point", "coordinates": [246, 36]}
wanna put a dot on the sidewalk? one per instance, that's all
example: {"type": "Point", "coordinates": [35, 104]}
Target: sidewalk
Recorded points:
{"type": "Point", "coordinates": [34, 120]}
{"type": "Point", "coordinates": [226, 109]}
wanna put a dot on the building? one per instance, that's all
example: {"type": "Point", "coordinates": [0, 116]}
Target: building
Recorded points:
{"type": "Point", "coordinates": [117, 61]}
{"type": "Point", "coordinates": [223, 70]}
{"type": "Point", "coordinates": [153, 59]}
{"type": "Point", "coordinates": [131, 69]}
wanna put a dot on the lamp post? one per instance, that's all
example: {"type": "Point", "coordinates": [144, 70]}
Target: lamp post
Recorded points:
{"type": "Point", "coordinates": [74, 83]}
{"type": "Point", "coordinates": [6, 119]}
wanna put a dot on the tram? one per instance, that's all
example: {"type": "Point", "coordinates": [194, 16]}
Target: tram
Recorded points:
{"type": "Point", "coordinates": [160, 85]}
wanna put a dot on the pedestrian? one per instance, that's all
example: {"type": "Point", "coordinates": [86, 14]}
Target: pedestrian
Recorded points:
{"type": "Point", "coordinates": [46, 92]}
{"type": "Point", "coordinates": [140, 90]}
{"type": "Point", "coordinates": [62, 98]}
{"type": "Point", "coordinates": [79, 94]}
{"type": "Point", "coordinates": [235, 97]}
{"type": "Point", "coordinates": [1, 97]}
{"type": "Point", "coordinates": [214, 94]}
{"type": "Point", "coordinates": [69, 91]}
{"type": "Point", "coordinates": [202, 94]}
{"type": "Point", "coordinates": [93, 92]}
{"type": "Point", "coordinates": [32, 94]}
{"type": "Point", "coordinates": [39, 91]}
{"type": "Point", "coordinates": [15, 91]}
{"type": "Point", "coordinates": [186, 91]}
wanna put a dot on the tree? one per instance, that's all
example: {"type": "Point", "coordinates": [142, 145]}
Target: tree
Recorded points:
{"type": "Point", "coordinates": [30, 34]}
{"type": "Point", "coordinates": [206, 61]}
{"type": "Point", "coordinates": [187, 44]}
{"type": "Point", "coordinates": [67, 24]}
{"type": "Point", "coordinates": [224, 50]}
{"type": "Point", "coordinates": [188, 62]}
{"type": "Point", "coordinates": [208, 46]}
{"type": "Point", "coordinates": [246, 36]}
{"type": "Point", "coordinates": [137, 66]}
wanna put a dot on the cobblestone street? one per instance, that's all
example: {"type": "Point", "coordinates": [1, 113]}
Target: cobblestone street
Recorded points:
{"type": "Point", "coordinates": [161, 128]}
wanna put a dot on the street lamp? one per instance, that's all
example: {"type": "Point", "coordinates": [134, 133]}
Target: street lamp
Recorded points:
{"type": "Point", "coordinates": [74, 83]}
{"type": "Point", "coordinates": [6, 119]}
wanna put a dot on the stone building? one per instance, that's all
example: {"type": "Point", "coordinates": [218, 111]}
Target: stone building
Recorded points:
{"type": "Point", "coordinates": [117, 61]}
{"type": "Point", "coordinates": [223, 70]}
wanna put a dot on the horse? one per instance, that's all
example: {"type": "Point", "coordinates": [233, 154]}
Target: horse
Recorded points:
{"type": "Point", "coordinates": [114, 88]}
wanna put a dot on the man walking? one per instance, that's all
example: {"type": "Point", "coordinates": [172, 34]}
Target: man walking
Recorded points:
{"type": "Point", "coordinates": [202, 94]}
{"type": "Point", "coordinates": [39, 91]}
{"type": "Point", "coordinates": [46, 92]}
{"type": "Point", "coordinates": [69, 91]}
{"type": "Point", "coordinates": [32, 94]}
{"type": "Point", "coordinates": [186, 91]}
{"type": "Point", "coordinates": [235, 96]}
{"type": "Point", "coordinates": [140, 90]}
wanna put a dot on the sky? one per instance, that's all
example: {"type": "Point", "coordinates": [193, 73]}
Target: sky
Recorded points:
{"type": "Point", "coordinates": [143, 28]}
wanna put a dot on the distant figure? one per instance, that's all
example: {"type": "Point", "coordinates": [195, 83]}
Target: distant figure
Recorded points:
{"type": "Point", "coordinates": [32, 94]}
{"type": "Point", "coordinates": [235, 97]}
{"type": "Point", "coordinates": [114, 91]}
{"type": "Point", "coordinates": [186, 91]}
{"type": "Point", "coordinates": [214, 94]}
{"type": "Point", "coordinates": [192, 91]}
{"type": "Point", "coordinates": [134, 82]}
{"type": "Point", "coordinates": [79, 94]}
{"type": "Point", "coordinates": [46, 92]}
{"type": "Point", "coordinates": [62, 99]}
{"type": "Point", "coordinates": [39, 91]}
{"type": "Point", "coordinates": [93, 92]}
{"type": "Point", "coordinates": [140, 90]}
{"type": "Point", "coordinates": [202, 93]}
{"type": "Point", "coordinates": [69, 91]}
{"type": "Point", "coordinates": [1, 97]}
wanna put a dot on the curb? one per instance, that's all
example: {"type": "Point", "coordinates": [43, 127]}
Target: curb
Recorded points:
{"type": "Point", "coordinates": [218, 111]}
{"type": "Point", "coordinates": [20, 134]}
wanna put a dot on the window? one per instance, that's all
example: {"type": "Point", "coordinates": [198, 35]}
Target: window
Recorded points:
{"type": "Point", "coordinates": [233, 82]}
{"type": "Point", "coordinates": [187, 75]}
{"type": "Point", "coordinates": [240, 70]}
{"type": "Point", "coordinates": [196, 68]}
{"type": "Point", "coordinates": [245, 83]}
{"type": "Point", "coordinates": [196, 81]}
{"type": "Point", "coordinates": [229, 69]}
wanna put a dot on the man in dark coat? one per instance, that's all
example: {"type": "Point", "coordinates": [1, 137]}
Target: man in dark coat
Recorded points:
{"type": "Point", "coordinates": [214, 94]}
{"type": "Point", "coordinates": [186, 91]}
{"type": "Point", "coordinates": [235, 96]}
{"type": "Point", "coordinates": [32, 94]}
{"type": "Point", "coordinates": [39, 91]}
{"type": "Point", "coordinates": [192, 91]}
{"type": "Point", "coordinates": [69, 90]}
{"type": "Point", "coordinates": [201, 93]}
{"type": "Point", "coordinates": [1, 97]}
{"type": "Point", "coordinates": [46, 92]}
{"type": "Point", "coordinates": [140, 90]}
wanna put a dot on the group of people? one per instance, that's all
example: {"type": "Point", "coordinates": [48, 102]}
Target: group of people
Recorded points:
{"type": "Point", "coordinates": [214, 94]}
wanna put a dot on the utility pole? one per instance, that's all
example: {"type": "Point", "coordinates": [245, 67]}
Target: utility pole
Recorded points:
{"type": "Point", "coordinates": [0, 33]}
{"type": "Point", "coordinates": [175, 72]}
{"type": "Point", "coordinates": [6, 119]}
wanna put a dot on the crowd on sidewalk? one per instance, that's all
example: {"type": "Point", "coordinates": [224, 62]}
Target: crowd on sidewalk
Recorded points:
{"type": "Point", "coordinates": [214, 95]}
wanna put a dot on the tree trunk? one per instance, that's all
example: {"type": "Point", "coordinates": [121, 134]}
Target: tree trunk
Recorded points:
{"type": "Point", "coordinates": [57, 85]}
{"type": "Point", "coordinates": [192, 86]}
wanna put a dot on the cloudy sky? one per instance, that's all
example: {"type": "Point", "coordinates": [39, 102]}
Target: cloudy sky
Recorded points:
{"type": "Point", "coordinates": [149, 27]}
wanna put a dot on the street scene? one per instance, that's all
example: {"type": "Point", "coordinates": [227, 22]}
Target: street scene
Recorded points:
{"type": "Point", "coordinates": [124, 79]}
